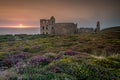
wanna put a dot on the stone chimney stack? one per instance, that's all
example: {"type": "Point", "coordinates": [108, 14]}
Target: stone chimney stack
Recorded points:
{"type": "Point", "coordinates": [52, 19]}
{"type": "Point", "coordinates": [97, 27]}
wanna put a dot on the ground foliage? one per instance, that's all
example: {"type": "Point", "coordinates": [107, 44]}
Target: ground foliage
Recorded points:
{"type": "Point", "coordinates": [61, 57]}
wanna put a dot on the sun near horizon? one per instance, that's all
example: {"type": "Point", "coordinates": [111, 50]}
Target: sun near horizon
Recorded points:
{"type": "Point", "coordinates": [19, 26]}
{"type": "Point", "coordinates": [22, 26]}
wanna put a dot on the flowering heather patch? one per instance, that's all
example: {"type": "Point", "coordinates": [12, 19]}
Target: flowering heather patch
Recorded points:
{"type": "Point", "coordinates": [21, 55]}
{"type": "Point", "coordinates": [14, 59]}
{"type": "Point", "coordinates": [36, 60]}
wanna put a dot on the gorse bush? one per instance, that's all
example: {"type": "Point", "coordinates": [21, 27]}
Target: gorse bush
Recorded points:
{"type": "Point", "coordinates": [82, 70]}
{"type": "Point", "coordinates": [109, 62]}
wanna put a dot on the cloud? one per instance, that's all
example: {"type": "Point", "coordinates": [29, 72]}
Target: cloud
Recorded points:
{"type": "Point", "coordinates": [82, 11]}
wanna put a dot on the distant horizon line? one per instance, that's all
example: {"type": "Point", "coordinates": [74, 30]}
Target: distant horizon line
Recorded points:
{"type": "Point", "coordinates": [19, 28]}
{"type": "Point", "coordinates": [39, 27]}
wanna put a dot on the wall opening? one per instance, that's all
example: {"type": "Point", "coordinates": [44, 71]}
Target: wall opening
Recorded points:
{"type": "Point", "coordinates": [52, 28]}
{"type": "Point", "coordinates": [43, 27]}
{"type": "Point", "coordinates": [46, 27]}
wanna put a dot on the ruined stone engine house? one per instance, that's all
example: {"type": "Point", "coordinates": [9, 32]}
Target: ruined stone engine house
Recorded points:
{"type": "Point", "coordinates": [48, 26]}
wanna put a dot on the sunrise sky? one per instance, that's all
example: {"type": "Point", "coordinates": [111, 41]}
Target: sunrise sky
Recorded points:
{"type": "Point", "coordinates": [27, 13]}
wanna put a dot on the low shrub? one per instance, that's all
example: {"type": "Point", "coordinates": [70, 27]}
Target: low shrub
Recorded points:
{"type": "Point", "coordinates": [37, 60]}
{"type": "Point", "coordinates": [13, 78]}
{"type": "Point", "coordinates": [50, 56]}
{"type": "Point", "coordinates": [13, 59]}
{"type": "Point", "coordinates": [115, 57]}
{"type": "Point", "coordinates": [81, 71]}
{"type": "Point", "coordinates": [108, 62]}
{"type": "Point", "coordinates": [70, 53]}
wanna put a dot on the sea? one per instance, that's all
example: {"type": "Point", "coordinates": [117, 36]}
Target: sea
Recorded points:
{"type": "Point", "coordinates": [4, 31]}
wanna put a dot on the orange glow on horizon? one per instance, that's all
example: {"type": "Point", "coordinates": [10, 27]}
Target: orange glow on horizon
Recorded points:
{"type": "Point", "coordinates": [17, 26]}
{"type": "Point", "coordinates": [20, 26]}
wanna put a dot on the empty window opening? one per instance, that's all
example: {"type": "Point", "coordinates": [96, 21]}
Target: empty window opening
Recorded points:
{"type": "Point", "coordinates": [46, 27]}
{"type": "Point", "coordinates": [52, 28]}
{"type": "Point", "coordinates": [43, 27]}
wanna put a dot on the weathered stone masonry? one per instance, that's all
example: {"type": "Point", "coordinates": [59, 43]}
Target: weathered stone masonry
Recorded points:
{"type": "Point", "coordinates": [48, 26]}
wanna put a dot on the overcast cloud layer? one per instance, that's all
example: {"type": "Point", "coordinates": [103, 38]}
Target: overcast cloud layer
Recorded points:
{"type": "Point", "coordinates": [84, 12]}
